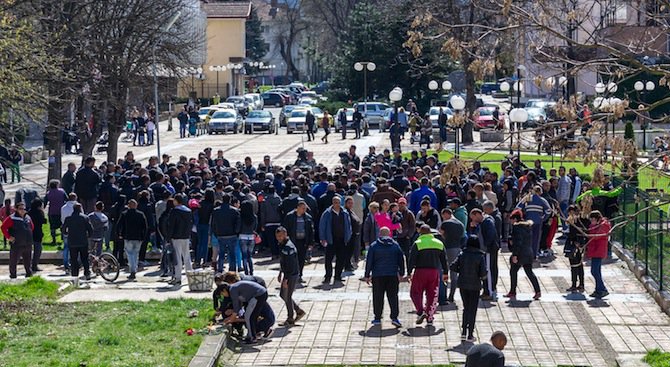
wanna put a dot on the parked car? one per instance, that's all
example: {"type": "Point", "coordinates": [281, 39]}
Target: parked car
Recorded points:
{"type": "Point", "coordinates": [489, 88]}
{"type": "Point", "coordinates": [257, 101]}
{"type": "Point", "coordinates": [373, 113]}
{"type": "Point", "coordinates": [307, 101]}
{"type": "Point", "coordinates": [434, 114]}
{"type": "Point", "coordinates": [485, 118]}
{"type": "Point", "coordinates": [350, 119]}
{"type": "Point", "coordinates": [259, 120]}
{"type": "Point", "coordinates": [273, 99]}
{"type": "Point", "coordinates": [224, 121]}
{"type": "Point", "coordinates": [541, 103]}
{"type": "Point", "coordinates": [205, 113]}
{"type": "Point", "coordinates": [285, 113]}
{"type": "Point", "coordinates": [241, 103]}
{"type": "Point", "coordinates": [535, 115]}
{"type": "Point", "coordinates": [322, 87]}
{"type": "Point", "coordinates": [297, 121]}
{"type": "Point", "coordinates": [309, 94]}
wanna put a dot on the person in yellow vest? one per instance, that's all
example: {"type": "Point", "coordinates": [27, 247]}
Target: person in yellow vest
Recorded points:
{"type": "Point", "coordinates": [427, 259]}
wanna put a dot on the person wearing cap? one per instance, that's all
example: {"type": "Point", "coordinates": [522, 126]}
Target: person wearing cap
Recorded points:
{"type": "Point", "coordinates": [427, 259]}
{"type": "Point", "coordinates": [300, 229]}
{"type": "Point", "coordinates": [488, 355]}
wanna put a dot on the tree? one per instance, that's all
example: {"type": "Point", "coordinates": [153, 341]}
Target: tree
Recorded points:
{"type": "Point", "coordinates": [290, 25]}
{"type": "Point", "coordinates": [255, 44]}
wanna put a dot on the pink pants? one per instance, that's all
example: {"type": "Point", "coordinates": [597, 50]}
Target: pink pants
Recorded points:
{"type": "Point", "coordinates": [425, 281]}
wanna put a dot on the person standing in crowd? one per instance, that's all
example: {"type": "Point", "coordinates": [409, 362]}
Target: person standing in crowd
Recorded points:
{"type": "Point", "coordinates": [335, 232]}
{"type": "Point", "coordinates": [66, 211]}
{"type": "Point", "coordinates": [428, 215]}
{"type": "Point", "coordinates": [55, 198]}
{"type": "Point", "coordinates": [15, 159]}
{"type": "Point", "coordinates": [36, 214]}
{"type": "Point", "coordinates": [179, 227]}
{"type": "Point", "coordinates": [203, 227]}
{"type": "Point", "coordinates": [418, 195]}
{"type": "Point", "coordinates": [427, 259]}
{"type": "Point", "coordinates": [226, 225]}
{"type": "Point", "coordinates": [18, 229]}
{"type": "Point", "coordinates": [310, 121]}
{"type": "Point", "coordinates": [522, 254]}
{"type": "Point", "coordinates": [300, 229]}
{"type": "Point", "coordinates": [407, 227]}
{"type": "Point", "coordinates": [183, 122]}
{"type": "Point", "coordinates": [385, 268]}
{"type": "Point", "coordinates": [563, 196]}
{"type": "Point", "coordinates": [270, 216]}
{"type": "Point", "coordinates": [78, 231]}
{"type": "Point", "coordinates": [536, 209]}
{"type": "Point", "coordinates": [484, 227]}
{"type": "Point", "coordinates": [86, 185]}
{"type": "Point", "coordinates": [132, 229]}
{"type": "Point", "coordinates": [100, 224]}
{"type": "Point", "coordinates": [325, 124]}
{"type": "Point", "coordinates": [342, 119]}
{"type": "Point", "coordinates": [488, 355]}
{"type": "Point", "coordinates": [471, 268]}
{"type": "Point", "coordinates": [69, 178]}
{"type": "Point", "coordinates": [248, 225]}
{"type": "Point", "coordinates": [356, 228]}
{"type": "Point", "coordinates": [454, 236]}
{"type": "Point", "coordinates": [357, 118]}
{"type": "Point", "coordinates": [574, 246]}
{"type": "Point", "coordinates": [289, 276]}
{"type": "Point", "coordinates": [596, 250]}
{"type": "Point", "coordinates": [370, 226]}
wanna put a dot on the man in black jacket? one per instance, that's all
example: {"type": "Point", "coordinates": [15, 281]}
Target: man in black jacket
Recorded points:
{"type": "Point", "coordinates": [69, 178]}
{"type": "Point", "coordinates": [225, 224]}
{"type": "Point", "coordinates": [289, 268]}
{"type": "Point", "coordinates": [300, 229]}
{"type": "Point", "coordinates": [86, 185]}
{"type": "Point", "coordinates": [132, 229]}
{"type": "Point", "coordinates": [180, 222]}
{"type": "Point", "coordinates": [484, 227]}
{"type": "Point", "coordinates": [78, 230]}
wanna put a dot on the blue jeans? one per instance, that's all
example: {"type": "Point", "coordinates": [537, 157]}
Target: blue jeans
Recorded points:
{"type": "Point", "coordinates": [536, 236]}
{"type": "Point", "coordinates": [442, 293]}
{"type": "Point", "coordinates": [247, 249]}
{"type": "Point", "coordinates": [596, 271]}
{"type": "Point", "coordinates": [66, 253]}
{"type": "Point", "coordinates": [132, 248]}
{"type": "Point", "coordinates": [227, 245]}
{"type": "Point", "coordinates": [203, 243]}
{"type": "Point", "coordinates": [107, 239]}
{"type": "Point", "coordinates": [268, 318]}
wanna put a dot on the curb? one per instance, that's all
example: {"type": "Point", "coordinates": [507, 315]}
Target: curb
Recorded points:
{"type": "Point", "coordinates": [662, 298]}
{"type": "Point", "coordinates": [209, 350]}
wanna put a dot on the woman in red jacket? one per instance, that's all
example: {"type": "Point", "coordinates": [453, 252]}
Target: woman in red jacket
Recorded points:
{"type": "Point", "coordinates": [597, 249]}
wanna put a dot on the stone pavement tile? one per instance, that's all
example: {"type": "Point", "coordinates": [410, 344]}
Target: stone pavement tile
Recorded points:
{"type": "Point", "coordinates": [614, 338]}
{"type": "Point", "coordinates": [316, 356]}
{"type": "Point", "coordinates": [630, 338]}
{"type": "Point", "coordinates": [370, 355]}
{"type": "Point", "coordinates": [579, 359]}
{"type": "Point", "coordinates": [595, 359]}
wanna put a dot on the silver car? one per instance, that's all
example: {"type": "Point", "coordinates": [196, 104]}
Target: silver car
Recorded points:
{"type": "Point", "coordinates": [259, 120]}
{"type": "Point", "coordinates": [373, 112]}
{"type": "Point", "coordinates": [225, 121]}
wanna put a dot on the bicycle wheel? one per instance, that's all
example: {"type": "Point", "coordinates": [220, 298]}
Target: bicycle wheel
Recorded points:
{"type": "Point", "coordinates": [109, 267]}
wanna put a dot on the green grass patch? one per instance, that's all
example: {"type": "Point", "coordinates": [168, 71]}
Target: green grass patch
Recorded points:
{"type": "Point", "coordinates": [113, 334]}
{"type": "Point", "coordinates": [656, 358]}
{"type": "Point", "coordinates": [32, 288]}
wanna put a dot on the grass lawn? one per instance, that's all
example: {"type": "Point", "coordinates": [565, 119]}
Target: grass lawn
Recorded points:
{"type": "Point", "coordinates": [656, 358]}
{"type": "Point", "coordinates": [37, 331]}
{"type": "Point", "coordinates": [649, 178]}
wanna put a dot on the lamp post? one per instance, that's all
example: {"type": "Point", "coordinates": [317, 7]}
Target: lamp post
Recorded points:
{"type": "Point", "coordinates": [518, 116]}
{"type": "Point", "coordinates": [504, 87]}
{"type": "Point", "coordinates": [395, 95]}
{"type": "Point", "coordinates": [518, 88]}
{"type": "Point", "coordinates": [433, 85]}
{"type": "Point", "coordinates": [194, 72]}
{"type": "Point", "coordinates": [169, 25]}
{"type": "Point", "coordinates": [366, 66]}
{"type": "Point", "coordinates": [641, 87]}
{"type": "Point", "coordinates": [217, 68]}
{"type": "Point", "coordinates": [458, 104]}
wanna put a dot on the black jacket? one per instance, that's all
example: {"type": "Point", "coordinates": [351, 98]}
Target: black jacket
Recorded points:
{"type": "Point", "coordinates": [291, 224]}
{"type": "Point", "coordinates": [288, 260]}
{"type": "Point", "coordinates": [426, 258]}
{"type": "Point", "coordinates": [471, 268]}
{"type": "Point", "coordinates": [68, 181]}
{"type": "Point", "coordinates": [225, 221]}
{"type": "Point", "coordinates": [180, 222]}
{"type": "Point", "coordinates": [132, 225]}
{"type": "Point", "coordinates": [521, 244]}
{"type": "Point", "coordinates": [78, 230]}
{"type": "Point", "coordinates": [87, 183]}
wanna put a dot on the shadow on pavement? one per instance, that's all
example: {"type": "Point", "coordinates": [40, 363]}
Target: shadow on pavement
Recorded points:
{"type": "Point", "coordinates": [378, 332]}
{"type": "Point", "coordinates": [519, 304]}
{"type": "Point", "coordinates": [422, 331]}
{"type": "Point", "coordinates": [462, 348]}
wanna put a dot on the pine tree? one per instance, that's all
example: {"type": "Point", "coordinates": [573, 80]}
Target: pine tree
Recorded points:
{"type": "Point", "coordinates": [256, 47]}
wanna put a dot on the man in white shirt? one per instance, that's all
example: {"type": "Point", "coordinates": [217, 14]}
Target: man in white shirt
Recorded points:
{"type": "Point", "coordinates": [65, 212]}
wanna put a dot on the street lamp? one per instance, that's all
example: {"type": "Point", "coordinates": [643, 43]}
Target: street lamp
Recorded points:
{"type": "Point", "coordinates": [167, 27]}
{"type": "Point", "coordinates": [518, 116]}
{"type": "Point", "coordinates": [458, 104]}
{"type": "Point", "coordinates": [505, 87]}
{"type": "Point", "coordinates": [217, 68]}
{"type": "Point", "coordinates": [395, 95]}
{"type": "Point", "coordinates": [366, 66]}
{"type": "Point", "coordinates": [642, 87]}
{"type": "Point", "coordinates": [434, 85]}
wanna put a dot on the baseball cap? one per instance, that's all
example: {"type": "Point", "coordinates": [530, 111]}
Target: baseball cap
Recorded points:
{"type": "Point", "coordinates": [402, 201]}
{"type": "Point", "coordinates": [456, 201]}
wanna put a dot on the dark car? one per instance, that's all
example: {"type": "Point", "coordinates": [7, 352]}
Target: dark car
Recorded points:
{"type": "Point", "coordinates": [273, 99]}
{"type": "Point", "coordinates": [489, 88]}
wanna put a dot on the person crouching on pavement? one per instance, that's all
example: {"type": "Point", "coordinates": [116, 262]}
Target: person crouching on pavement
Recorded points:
{"type": "Point", "coordinates": [471, 268]}
{"type": "Point", "coordinates": [255, 297]}
{"type": "Point", "coordinates": [290, 269]}
{"type": "Point", "coordinates": [266, 318]}
{"type": "Point", "coordinates": [385, 268]}
{"type": "Point", "coordinates": [427, 258]}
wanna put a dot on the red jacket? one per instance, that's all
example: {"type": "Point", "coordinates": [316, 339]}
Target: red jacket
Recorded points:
{"type": "Point", "coordinates": [21, 228]}
{"type": "Point", "coordinates": [598, 239]}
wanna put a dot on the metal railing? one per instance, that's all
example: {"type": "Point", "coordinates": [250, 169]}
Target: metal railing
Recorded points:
{"type": "Point", "coordinates": [641, 227]}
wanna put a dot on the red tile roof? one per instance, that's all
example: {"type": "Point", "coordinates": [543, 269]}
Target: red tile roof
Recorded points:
{"type": "Point", "coordinates": [237, 9]}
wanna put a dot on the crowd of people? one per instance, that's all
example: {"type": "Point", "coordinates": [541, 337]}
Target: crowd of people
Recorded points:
{"type": "Point", "coordinates": [410, 219]}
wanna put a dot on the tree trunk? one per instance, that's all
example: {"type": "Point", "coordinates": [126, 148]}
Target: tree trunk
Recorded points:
{"type": "Point", "coordinates": [470, 105]}
{"type": "Point", "coordinates": [54, 139]}
{"type": "Point", "coordinates": [114, 128]}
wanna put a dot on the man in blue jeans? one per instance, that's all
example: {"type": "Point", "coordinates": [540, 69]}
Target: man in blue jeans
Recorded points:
{"type": "Point", "coordinates": [563, 196]}
{"type": "Point", "coordinates": [225, 225]}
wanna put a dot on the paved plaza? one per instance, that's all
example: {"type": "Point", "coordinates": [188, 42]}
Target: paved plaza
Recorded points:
{"type": "Point", "coordinates": [559, 329]}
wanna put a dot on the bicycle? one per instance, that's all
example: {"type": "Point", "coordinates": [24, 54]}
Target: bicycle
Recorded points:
{"type": "Point", "coordinates": [105, 265]}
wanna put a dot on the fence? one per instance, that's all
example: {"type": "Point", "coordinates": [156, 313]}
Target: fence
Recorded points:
{"type": "Point", "coordinates": [643, 230]}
